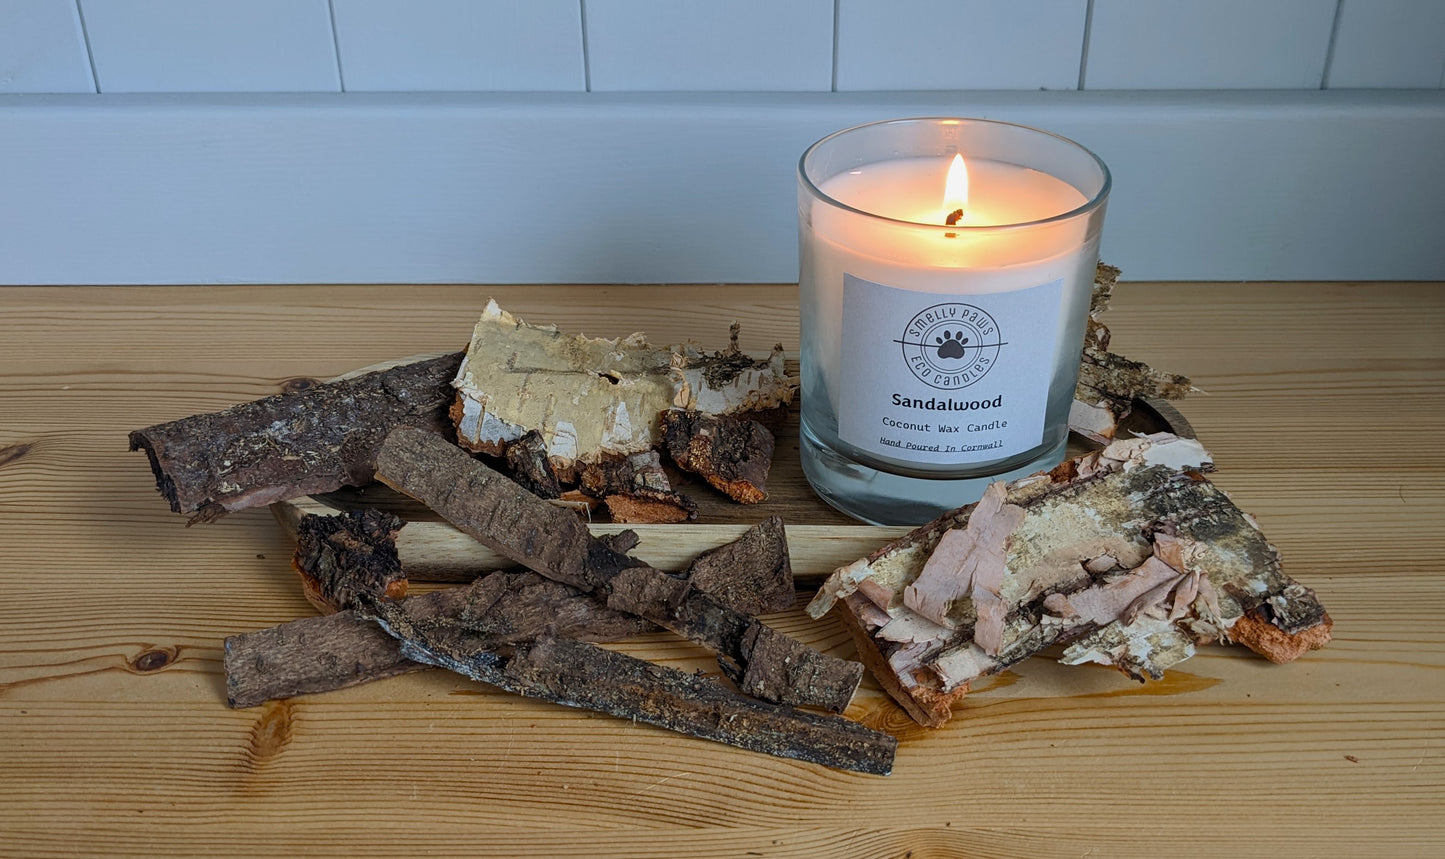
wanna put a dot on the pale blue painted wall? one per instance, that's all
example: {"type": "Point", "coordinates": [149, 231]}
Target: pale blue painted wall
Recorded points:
{"type": "Point", "coordinates": [303, 141]}
{"type": "Point", "coordinates": [115, 46]}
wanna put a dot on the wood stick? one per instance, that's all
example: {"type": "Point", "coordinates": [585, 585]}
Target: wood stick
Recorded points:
{"type": "Point", "coordinates": [438, 552]}
{"type": "Point", "coordinates": [555, 543]}
{"type": "Point", "coordinates": [293, 444]}
{"type": "Point", "coordinates": [576, 674]}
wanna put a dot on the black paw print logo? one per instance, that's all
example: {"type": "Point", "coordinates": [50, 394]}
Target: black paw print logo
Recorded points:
{"type": "Point", "coordinates": [950, 344]}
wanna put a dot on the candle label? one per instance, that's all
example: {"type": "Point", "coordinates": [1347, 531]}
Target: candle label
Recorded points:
{"type": "Point", "coordinates": [946, 378]}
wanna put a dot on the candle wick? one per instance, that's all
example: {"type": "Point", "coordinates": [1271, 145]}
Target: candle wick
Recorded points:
{"type": "Point", "coordinates": [954, 217]}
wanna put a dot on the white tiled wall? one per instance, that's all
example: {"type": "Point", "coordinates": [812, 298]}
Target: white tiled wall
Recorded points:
{"type": "Point", "coordinates": [460, 45]}
{"type": "Point", "coordinates": [1389, 44]}
{"type": "Point", "coordinates": [211, 45]}
{"type": "Point", "coordinates": [757, 45]}
{"type": "Point", "coordinates": [753, 45]}
{"type": "Point", "coordinates": [1209, 44]}
{"type": "Point", "coordinates": [42, 48]}
{"type": "Point", "coordinates": [959, 44]}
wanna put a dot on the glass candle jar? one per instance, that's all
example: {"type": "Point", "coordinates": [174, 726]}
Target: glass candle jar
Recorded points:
{"type": "Point", "coordinates": [945, 273]}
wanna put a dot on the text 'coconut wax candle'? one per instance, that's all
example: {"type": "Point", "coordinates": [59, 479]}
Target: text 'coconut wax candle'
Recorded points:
{"type": "Point", "coordinates": [945, 273]}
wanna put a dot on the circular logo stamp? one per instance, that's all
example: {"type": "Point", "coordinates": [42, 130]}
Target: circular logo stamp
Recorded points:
{"type": "Point", "coordinates": [950, 346]}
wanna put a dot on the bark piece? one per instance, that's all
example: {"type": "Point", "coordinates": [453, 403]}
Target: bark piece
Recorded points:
{"type": "Point", "coordinates": [649, 508]}
{"type": "Point", "coordinates": [577, 674]}
{"type": "Point", "coordinates": [760, 660]}
{"type": "Point", "coordinates": [1108, 382]}
{"type": "Point", "coordinates": [636, 489]}
{"type": "Point", "coordinates": [732, 455]}
{"type": "Point", "coordinates": [1130, 553]}
{"type": "Point", "coordinates": [1263, 637]}
{"type": "Point", "coordinates": [591, 397]}
{"type": "Point", "coordinates": [320, 654]}
{"type": "Point", "coordinates": [292, 444]}
{"type": "Point", "coordinates": [347, 558]}
{"type": "Point", "coordinates": [621, 475]}
{"type": "Point", "coordinates": [753, 573]}
{"type": "Point", "coordinates": [494, 510]}
{"type": "Point", "coordinates": [527, 459]}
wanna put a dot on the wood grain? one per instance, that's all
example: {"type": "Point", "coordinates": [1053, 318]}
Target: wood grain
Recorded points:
{"type": "Point", "coordinates": [1324, 411]}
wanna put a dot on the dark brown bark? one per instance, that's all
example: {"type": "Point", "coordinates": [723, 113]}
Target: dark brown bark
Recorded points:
{"type": "Point", "coordinates": [636, 489]}
{"type": "Point", "coordinates": [732, 455]}
{"type": "Point", "coordinates": [347, 558]}
{"type": "Point", "coordinates": [581, 675]}
{"type": "Point", "coordinates": [320, 654]}
{"type": "Point", "coordinates": [527, 459]}
{"type": "Point", "coordinates": [753, 574]}
{"type": "Point", "coordinates": [284, 446]}
{"type": "Point", "coordinates": [555, 543]}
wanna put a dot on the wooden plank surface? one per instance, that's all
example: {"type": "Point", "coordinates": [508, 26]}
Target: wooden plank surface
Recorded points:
{"type": "Point", "coordinates": [1325, 407]}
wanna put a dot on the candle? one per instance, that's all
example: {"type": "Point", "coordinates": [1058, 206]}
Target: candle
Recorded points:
{"type": "Point", "coordinates": [945, 274]}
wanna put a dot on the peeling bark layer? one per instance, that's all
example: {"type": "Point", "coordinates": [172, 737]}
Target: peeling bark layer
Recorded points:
{"type": "Point", "coordinates": [1108, 382]}
{"type": "Point", "coordinates": [293, 444]}
{"type": "Point", "coordinates": [1128, 554]}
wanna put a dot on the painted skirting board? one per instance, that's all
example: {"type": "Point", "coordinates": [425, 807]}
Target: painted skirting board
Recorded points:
{"type": "Point", "coordinates": [672, 187]}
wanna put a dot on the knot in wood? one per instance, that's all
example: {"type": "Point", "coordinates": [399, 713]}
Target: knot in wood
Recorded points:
{"type": "Point", "coordinates": [154, 659]}
{"type": "Point", "coordinates": [299, 384]}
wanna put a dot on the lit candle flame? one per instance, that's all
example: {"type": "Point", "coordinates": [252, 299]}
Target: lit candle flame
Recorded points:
{"type": "Point", "coordinates": [955, 191]}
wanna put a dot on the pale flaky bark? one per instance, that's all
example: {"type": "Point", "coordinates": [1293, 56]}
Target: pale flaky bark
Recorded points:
{"type": "Point", "coordinates": [591, 397]}
{"type": "Point", "coordinates": [1129, 554]}
{"type": "Point", "coordinates": [1109, 383]}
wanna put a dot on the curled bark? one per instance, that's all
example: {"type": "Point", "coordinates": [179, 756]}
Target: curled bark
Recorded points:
{"type": "Point", "coordinates": [293, 444]}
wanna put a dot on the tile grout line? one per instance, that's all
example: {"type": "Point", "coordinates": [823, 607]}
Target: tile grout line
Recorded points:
{"type": "Point", "coordinates": [586, 52]}
{"type": "Point", "coordinates": [833, 87]}
{"type": "Point", "coordinates": [89, 54]}
{"type": "Point", "coordinates": [1330, 49]}
{"type": "Point", "coordinates": [1084, 50]}
{"type": "Point", "coordinates": [336, 45]}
